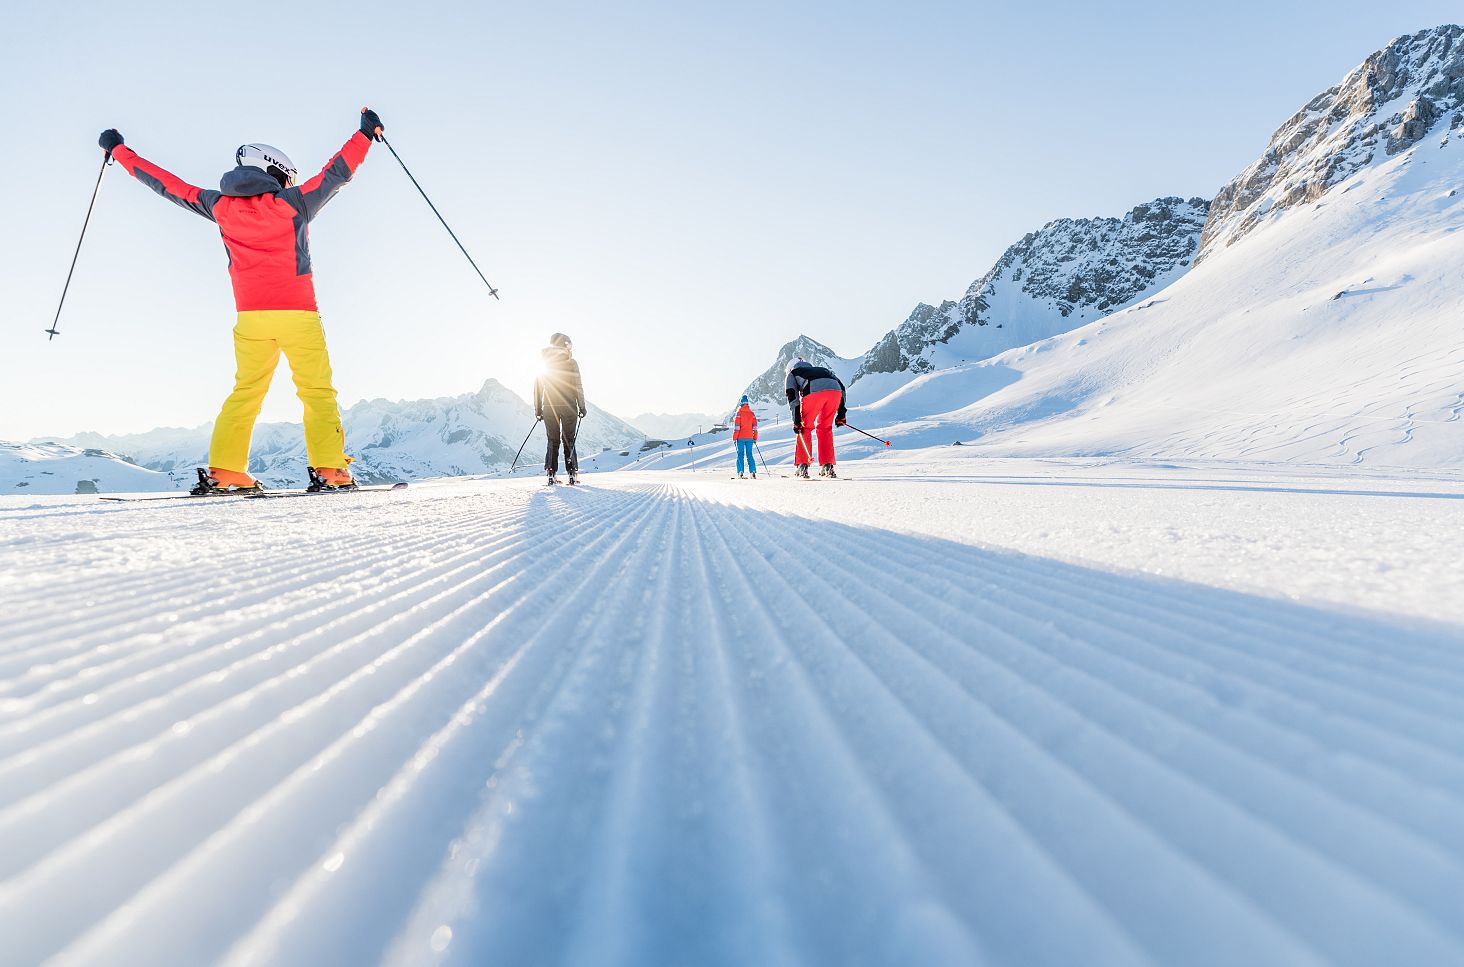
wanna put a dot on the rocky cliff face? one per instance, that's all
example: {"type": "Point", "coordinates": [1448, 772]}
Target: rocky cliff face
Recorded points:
{"type": "Point", "coordinates": [1048, 282]}
{"type": "Point", "coordinates": [768, 388]}
{"type": "Point", "coordinates": [1386, 106]}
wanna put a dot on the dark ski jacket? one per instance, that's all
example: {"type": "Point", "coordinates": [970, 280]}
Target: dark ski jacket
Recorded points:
{"type": "Point", "coordinates": [265, 227]}
{"type": "Point", "coordinates": [559, 386]}
{"type": "Point", "coordinates": [806, 380]}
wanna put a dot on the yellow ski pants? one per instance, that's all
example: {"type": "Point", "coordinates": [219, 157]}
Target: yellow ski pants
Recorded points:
{"type": "Point", "coordinates": [259, 338]}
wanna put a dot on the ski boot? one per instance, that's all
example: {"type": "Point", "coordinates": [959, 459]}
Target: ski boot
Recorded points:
{"type": "Point", "coordinates": [216, 480]}
{"type": "Point", "coordinates": [329, 479]}
{"type": "Point", "coordinates": [827, 470]}
{"type": "Point", "coordinates": [743, 476]}
{"type": "Point", "coordinates": [802, 471]}
{"type": "Point", "coordinates": [552, 479]}
{"type": "Point", "coordinates": [754, 475]}
{"type": "Point", "coordinates": [573, 477]}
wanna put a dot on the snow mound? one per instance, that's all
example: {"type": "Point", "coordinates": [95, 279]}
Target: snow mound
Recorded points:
{"type": "Point", "coordinates": [55, 468]}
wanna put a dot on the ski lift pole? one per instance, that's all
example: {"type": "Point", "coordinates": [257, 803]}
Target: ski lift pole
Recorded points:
{"type": "Point", "coordinates": [870, 435]}
{"type": "Point", "coordinates": [382, 138]}
{"type": "Point", "coordinates": [107, 160]}
{"type": "Point", "coordinates": [524, 444]}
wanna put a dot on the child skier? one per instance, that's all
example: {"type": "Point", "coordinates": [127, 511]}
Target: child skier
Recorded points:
{"type": "Point", "coordinates": [559, 400]}
{"type": "Point", "coordinates": [264, 219]}
{"type": "Point", "coordinates": [744, 432]}
{"type": "Point", "coordinates": [818, 400]}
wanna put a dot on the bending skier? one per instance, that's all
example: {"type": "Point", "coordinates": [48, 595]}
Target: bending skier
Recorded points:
{"type": "Point", "coordinates": [819, 403]}
{"type": "Point", "coordinates": [744, 432]}
{"type": "Point", "coordinates": [264, 218]}
{"type": "Point", "coordinates": [559, 400]}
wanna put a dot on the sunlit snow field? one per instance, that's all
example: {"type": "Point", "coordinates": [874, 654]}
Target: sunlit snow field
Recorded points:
{"type": "Point", "coordinates": [947, 711]}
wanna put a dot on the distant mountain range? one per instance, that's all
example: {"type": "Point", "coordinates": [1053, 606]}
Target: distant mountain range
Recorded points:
{"type": "Point", "coordinates": [667, 426]}
{"type": "Point", "coordinates": [404, 440]}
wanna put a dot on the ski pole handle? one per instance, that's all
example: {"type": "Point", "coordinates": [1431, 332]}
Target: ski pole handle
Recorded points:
{"type": "Point", "coordinates": [377, 133]}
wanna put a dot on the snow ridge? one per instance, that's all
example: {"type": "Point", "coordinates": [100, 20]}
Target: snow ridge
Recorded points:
{"type": "Point", "coordinates": [1384, 106]}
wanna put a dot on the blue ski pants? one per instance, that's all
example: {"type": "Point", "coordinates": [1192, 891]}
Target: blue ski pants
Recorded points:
{"type": "Point", "coordinates": [744, 449]}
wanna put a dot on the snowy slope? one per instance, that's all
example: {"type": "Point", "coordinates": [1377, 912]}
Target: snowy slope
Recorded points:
{"type": "Point", "coordinates": [391, 440]}
{"type": "Point", "coordinates": [49, 468]}
{"type": "Point", "coordinates": [1019, 712]}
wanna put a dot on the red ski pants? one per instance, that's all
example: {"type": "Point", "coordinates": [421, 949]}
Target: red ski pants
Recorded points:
{"type": "Point", "coordinates": [819, 410]}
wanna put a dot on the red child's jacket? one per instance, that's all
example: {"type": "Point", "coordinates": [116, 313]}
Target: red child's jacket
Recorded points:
{"type": "Point", "coordinates": [744, 424]}
{"type": "Point", "coordinates": [265, 226]}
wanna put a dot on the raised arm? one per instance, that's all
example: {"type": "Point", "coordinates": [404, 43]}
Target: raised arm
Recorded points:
{"type": "Point", "coordinates": [165, 183]}
{"type": "Point", "coordinates": [313, 194]}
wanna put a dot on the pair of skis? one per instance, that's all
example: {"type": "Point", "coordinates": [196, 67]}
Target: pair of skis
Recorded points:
{"type": "Point", "coordinates": [205, 491]}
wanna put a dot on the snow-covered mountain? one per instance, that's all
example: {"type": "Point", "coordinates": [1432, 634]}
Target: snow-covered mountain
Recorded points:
{"type": "Point", "coordinates": [1383, 108]}
{"type": "Point", "coordinates": [391, 440]}
{"type": "Point", "coordinates": [768, 388]}
{"type": "Point", "coordinates": [666, 426]}
{"type": "Point", "coordinates": [51, 468]}
{"type": "Point", "coordinates": [1322, 324]}
{"type": "Point", "coordinates": [1052, 280]}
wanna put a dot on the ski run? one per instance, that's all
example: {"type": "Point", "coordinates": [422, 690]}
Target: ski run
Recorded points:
{"type": "Point", "coordinates": [952, 711]}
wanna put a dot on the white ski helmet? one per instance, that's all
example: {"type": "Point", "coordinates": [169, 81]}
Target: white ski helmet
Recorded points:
{"type": "Point", "coordinates": [794, 363]}
{"type": "Point", "coordinates": [270, 159]}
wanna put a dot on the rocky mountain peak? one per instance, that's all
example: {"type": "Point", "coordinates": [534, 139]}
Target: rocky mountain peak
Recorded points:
{"type": "Point", "coordinates": [1068, 266]}
{"type": "Point", "coordinates": [1385, 106]}
{"type": "Point", "coordinates": [769, 386]}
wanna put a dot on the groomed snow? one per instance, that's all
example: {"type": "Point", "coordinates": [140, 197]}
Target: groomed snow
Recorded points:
{"type": "Point", "coordinates": [952, 711]}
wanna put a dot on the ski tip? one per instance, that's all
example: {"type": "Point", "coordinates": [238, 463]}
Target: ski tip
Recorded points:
{"type": "Point", "coordinates": [399, 485]}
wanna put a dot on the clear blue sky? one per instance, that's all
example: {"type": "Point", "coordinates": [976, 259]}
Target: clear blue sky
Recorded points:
{"type": "Point", "coordinates": [680, 187]}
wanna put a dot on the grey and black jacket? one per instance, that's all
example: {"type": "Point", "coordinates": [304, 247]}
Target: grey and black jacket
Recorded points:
{"type": "Point", "coordinates": [560, 386]}
{"type": "Point", "coordinates": [807, 379]}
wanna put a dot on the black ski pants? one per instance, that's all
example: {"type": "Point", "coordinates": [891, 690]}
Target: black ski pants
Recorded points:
{"type": "Point", "coordinates": [561, 423]}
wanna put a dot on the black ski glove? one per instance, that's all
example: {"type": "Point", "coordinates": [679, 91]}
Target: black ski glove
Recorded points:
{"type": "Point", "coordinates": [370, 121]}
{"type": "Point", "coordinates": [843, 417]}
{"type": "Point", "coordinates": [797, 427]}
{"type": "Point", "coordinates": [583, 414]}
{"type": "Point", "coordinates": [110, 139]}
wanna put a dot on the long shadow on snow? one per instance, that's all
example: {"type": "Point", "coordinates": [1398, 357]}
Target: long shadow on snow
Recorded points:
{"type": "Point", "coordinates": [838, 613]}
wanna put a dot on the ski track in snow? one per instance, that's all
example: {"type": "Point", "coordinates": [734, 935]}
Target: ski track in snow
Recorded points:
{"type": "Point", "coordinates": [661, 719]}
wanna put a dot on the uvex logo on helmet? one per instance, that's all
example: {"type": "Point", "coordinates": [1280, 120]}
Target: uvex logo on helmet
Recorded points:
{"type": "Point", "coordinates": [270, 159]}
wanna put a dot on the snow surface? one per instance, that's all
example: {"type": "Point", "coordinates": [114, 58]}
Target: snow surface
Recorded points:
{"type": "Point", "coordinates": [952, 711]}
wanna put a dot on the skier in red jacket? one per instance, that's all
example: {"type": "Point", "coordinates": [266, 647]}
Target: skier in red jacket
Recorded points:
{"type": "Point", "coordinates": [744, 432]}
{"type": "Point", "coordinates": [264, 218]}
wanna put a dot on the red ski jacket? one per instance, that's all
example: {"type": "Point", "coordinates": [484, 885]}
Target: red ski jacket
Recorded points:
{"type": "Point", "coordinates": [745, 424]}
{"type": "Point", "coordinates": [265, 227]}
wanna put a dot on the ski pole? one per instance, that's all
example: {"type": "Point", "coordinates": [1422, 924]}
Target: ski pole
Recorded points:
{"type": "Point", "coordinates": [520, 453]}
{"type": "Point", "coordinates": [105, 161]}
{"type": "Point", "coordinates": [870, 435]}
{"type": "Point", "coordinates": [767, 467]}
{"type": "Point", "coordinates": [382, 138]}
